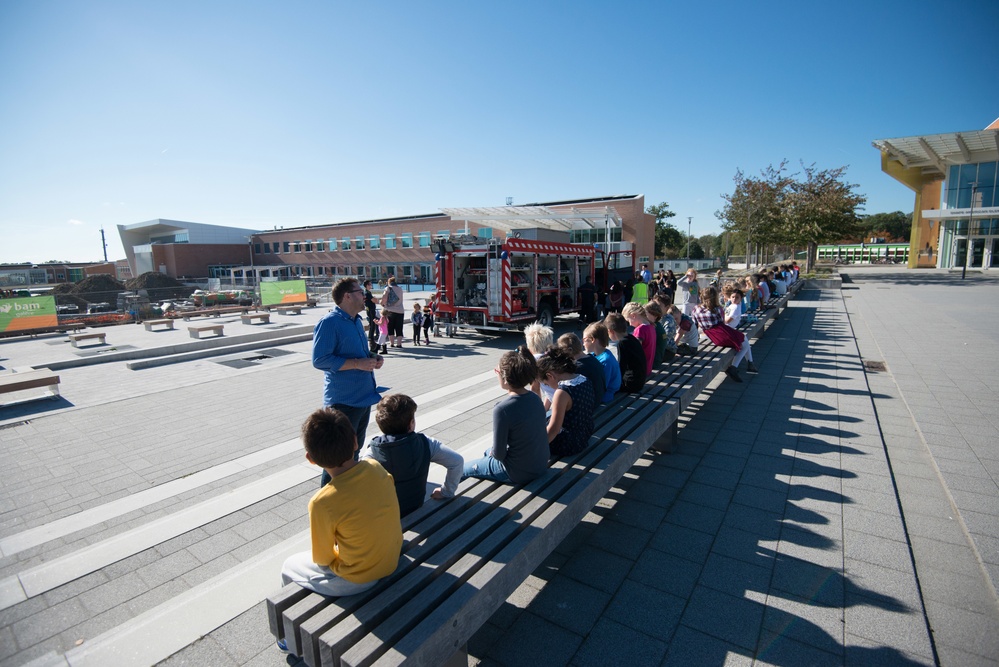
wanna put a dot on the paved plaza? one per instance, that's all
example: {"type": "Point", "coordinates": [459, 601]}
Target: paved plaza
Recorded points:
{"type": "Point", "coordinates": [827, 511]}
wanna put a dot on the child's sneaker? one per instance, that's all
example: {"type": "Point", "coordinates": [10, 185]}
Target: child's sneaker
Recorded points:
{"type": "Point", "coordinates": [733, 374]}
{"type": "Point", "coordinates": [751, 368]}
{"type": "Point", "coordinates": [282, 646]}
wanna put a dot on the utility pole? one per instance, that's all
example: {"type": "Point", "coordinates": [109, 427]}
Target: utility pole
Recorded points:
{"type": "Point", "coordinates": [104, 244]}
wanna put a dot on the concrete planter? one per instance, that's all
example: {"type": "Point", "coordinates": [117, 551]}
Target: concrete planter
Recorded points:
{"type": "Point", "coordinates": [832, 282]}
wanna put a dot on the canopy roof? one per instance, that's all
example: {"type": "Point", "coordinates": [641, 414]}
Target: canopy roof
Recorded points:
{"type": "Point", "coordinates": [512, 218]}
{"type": "Point", "coordinates": [934, 153]}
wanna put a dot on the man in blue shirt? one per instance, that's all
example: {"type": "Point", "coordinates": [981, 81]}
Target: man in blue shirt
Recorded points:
{"type": "Point", "coordinates": [340, 348]}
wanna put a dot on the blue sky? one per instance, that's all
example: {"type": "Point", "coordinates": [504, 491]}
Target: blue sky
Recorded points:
{"type": "Point", "coordinates": [256, 114]}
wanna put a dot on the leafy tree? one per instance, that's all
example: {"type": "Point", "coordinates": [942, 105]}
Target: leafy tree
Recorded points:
{"type": "Point", "coordinates": [754, 212]}
{"type": "Point", "coordinates": [712, 244]}
{"type": "Point", "coordinates": [696, 251]}
{"type": "Point", "coordinates": [821, 208]}
{"type": "Point", "coordinates": [895, 226]}
{"type": "Point", "coordinates": [667, 236]}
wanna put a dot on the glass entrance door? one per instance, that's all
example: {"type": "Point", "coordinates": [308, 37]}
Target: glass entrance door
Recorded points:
{"type": "Point", "coordinates": [994, 254]}
{"type": "Point", "coordinates": [977, 253]}
{"type": "Point", "coordinates": [960, 253]}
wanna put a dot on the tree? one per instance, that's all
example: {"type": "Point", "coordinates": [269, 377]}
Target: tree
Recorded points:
{"type": "Point", "coordinates": [820, 209]}
{"type": "Point", "coordinates": [713, 244]}
{"type": "Point", "coordinates": [696, 251]}
{"type": "Point", "coordinates": [755, 209]}
{"type": "Point", "coordinates": [667, 236]}
{"type": "Point", "coordinates": [895, 226]}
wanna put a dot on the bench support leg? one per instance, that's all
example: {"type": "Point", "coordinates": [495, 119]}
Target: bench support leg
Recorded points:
{"type": "Point", "coordinates": [459, 658]}
{"type": "Point", "coordinates": [666, 443]}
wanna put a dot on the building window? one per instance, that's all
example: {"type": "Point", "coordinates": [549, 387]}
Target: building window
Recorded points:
{"type": "Point", "coordinates": [287, 246]}
{"type": "Point", "coordinates": [374, 242]}
{"type": "Point", "coordinates": [296, 246]}
{"type": "Point", "coordinates": [256, 248]}
{"type": "Point", "coordinates": [424, 239]}
{"type": "Point", "coordinates": [332, 245]}
{"type": "Point", "coordinates": [308, 246]}
{"type": "Point", "coordinates": [320, 246]}
{"type": "Point", "coordinates": [345, 243]}
{"type": "Point", "coordinates": [485, 232]}
{"type": "Point", "coordinates": [407, 240]}
{"type": "Point", "coordinates": [359, 243]}
{"type": "Point", "coordinates": [390, 241]}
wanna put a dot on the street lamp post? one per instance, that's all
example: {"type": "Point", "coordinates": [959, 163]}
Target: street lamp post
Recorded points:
{"type": "Point", "coordinates": [688, 239]}
{"type": "Point", "coordinates": [971, 224]}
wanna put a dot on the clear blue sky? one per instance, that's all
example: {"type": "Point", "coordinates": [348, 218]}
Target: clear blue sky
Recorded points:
{"type": "Point", "coordinates": [292, 113]}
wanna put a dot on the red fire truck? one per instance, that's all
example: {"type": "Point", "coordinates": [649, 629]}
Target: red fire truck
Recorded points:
{"type": "Point", "coordinates": [500, 284]}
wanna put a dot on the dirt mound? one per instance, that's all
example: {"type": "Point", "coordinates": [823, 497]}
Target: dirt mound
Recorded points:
{"type": "Point", "coordinates": [99, 283]}
{"type": "Point", "coordinates": [152, 280]}
{"type": "Point", "coordinates": [160, 287]}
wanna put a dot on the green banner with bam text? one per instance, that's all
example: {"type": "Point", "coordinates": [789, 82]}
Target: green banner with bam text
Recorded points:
{"type": "Point", "coordinates": [21, 314]}
{"type": "Point", "coordinates": [282, 291]}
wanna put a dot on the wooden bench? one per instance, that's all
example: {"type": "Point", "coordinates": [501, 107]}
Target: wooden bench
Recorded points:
{"type": "Point", "coordinates": [462, 558]}
{"type": "Point", "coordinates": [289, 310]}
{"type": "Point", "coordinates": [248, 318]}
{"type": "Point", "coordinates": [75, 338]}
{"type": "Point", "coordinates": [218, 311]}
{"type": "Point", "coordinates": [195, 332]}
{"type": "Point", "coordinates": [149, 324]}
{"type": "Point", "coordinates": [11, 382]}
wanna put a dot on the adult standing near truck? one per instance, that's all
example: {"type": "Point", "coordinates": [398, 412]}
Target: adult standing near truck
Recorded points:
{"type": "Point", "coordinates": [372, 313]}
{"type": "Point", "coordinates": [340, 349]}
{"type": "Point", "coordinates": [392, 302]}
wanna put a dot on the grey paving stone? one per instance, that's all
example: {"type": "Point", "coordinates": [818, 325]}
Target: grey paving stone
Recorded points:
{"type": "Point", "coordinates": [785, 649]}
{"type": "Point", "coordinates": [619, 538]}
{"type": "Point", "coordinates": [698, 517]}
{"type": "Point", "coordinates": [736, 576]}
{"type": "Point", "coordinates": [646, 610]}
{"type": "Point", "coordinates": [642, 515]}
{"type": "Point", "coordinates": [49, 622]}
{"type": "Point", "coordinates": [904, 631]}
{"type": "Point", "coordinates": [968, 631]}
{"type": "Point", "coordinates": [205, 651]}
{"type": "Point", "coordinates": [764, 499]}
{"type": "Point", "coordinates": [809, 581]}
{"type": "Point", "coordinates": [539, 642]}
{"type": "Point", "coordinates": [692, 648]}
{"type": "Point", "coordinates": [570, 604]}
{"type": "Point", "coordinates": [113, 593]}
{"type": "Point", "coordinates": [877, 550]}
{"type": "Point", "coordinates": [693, 545]}
{"type": "Point", "coordinates": [597, 568]}
{"type": "Point", "coordinates": [731, 619]}
{"type": "Point", "coordinates": [613, 643]}
{"type": "Point", "coordinates": [706, 495]}
{"type": "Point", "coordinates": [666, 572]}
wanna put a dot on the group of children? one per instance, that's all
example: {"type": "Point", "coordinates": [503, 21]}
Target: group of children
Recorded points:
{"type": "Point", "coordinates": [552, 390]}
{"type": "Point", "coordinates": [422, 319]}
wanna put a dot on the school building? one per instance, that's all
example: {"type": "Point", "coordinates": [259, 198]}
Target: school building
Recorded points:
{"type": "Point", "coordinates": [376, 249]}
{"type": "Point", "coordinates": [956, 213]}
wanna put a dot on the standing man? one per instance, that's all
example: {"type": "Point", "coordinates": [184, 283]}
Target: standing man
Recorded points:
{"type": "Point", "coordinates": [587, 297]}
{"type": "Point", "coordinates": [646, 274]}
{"type": "Point", "coordinates": [369, 308]}
{"type": "Point", "coordinates": [340, 348]}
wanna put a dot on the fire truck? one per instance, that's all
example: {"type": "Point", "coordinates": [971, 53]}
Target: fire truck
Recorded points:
{"type": "Point", "coordinates": [500, 284]}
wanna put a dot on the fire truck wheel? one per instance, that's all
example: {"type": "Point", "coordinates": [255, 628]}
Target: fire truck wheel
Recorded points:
{"type": "Point", "coordinates": [545, 316]}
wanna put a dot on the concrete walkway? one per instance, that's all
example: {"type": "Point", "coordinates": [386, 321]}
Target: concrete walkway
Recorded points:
{"type": "Point", "coordinates": [804, 520]}
{"type": "Point", "coordinates": [816, 514]}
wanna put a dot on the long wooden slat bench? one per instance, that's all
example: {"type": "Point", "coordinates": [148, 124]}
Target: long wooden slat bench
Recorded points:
{"type": "Point", "coordinates": [462, 558]}
{"type": "Point", "coordinates": [25, 380]}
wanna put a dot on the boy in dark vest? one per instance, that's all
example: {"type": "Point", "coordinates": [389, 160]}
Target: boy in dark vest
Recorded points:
{"type": "Point", "coordinates": [407, 455]}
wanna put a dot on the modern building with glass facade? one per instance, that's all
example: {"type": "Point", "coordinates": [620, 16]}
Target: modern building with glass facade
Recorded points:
{"type": "Point", "coordinates": [956, 214]}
